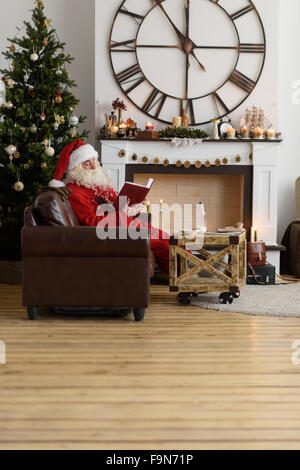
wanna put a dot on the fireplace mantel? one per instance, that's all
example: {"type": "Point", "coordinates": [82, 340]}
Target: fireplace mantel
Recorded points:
{"type": "Point", "coordinates": [262, 155]}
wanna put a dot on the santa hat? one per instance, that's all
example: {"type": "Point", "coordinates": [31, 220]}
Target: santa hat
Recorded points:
{"type": "Point", "coordinates": [71, 155]}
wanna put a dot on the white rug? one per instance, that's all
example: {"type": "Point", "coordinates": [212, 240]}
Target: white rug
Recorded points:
{"type": "Point", "coordinates": [275, 301]}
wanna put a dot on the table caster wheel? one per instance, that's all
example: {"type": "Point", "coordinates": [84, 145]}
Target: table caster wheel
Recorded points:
{"type": "Point", "coordinates": [236, 295]}
{"type": "Point", "coordinates": [226, 298]}
{"type": "Point", "coordinates": [33, 313]}
{"type": "Point", "coordinates": [184, 298]}
{"type": "Point", "coordinates": [139, 314]}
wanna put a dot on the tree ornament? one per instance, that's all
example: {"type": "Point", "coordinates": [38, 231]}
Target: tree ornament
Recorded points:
{"type": "Point", "coordinates": [44, 165]}
{"type": "Point", "coordinates": [43, 115]}
{"type": "Point", "coordinates": [11, 83]}
{"type": "Point", "coordinates": [74, 121]}
{"type": "Point", "coordinates": [26, 76]}
{"type": "Point", "coordinates": [198, 164]}
{"type": "Point", "coordinates": [187, 164]}
{"type": "Point", "coordinates": [34, 57]}
{"type": "Point", "coordinates": [33, 129]}
{"type": "Point", "coordinates": [50, 151]}
{"type": "Point", "coordinates": [11, 157]}
{"type": "Point", "coordinates": [11, 149]}
{"type": "Point", "coordinates": [17, 155]}
{"type": "Point", "coordinates": [45, 42]}
{"type": "Point", "coordinates": [59, 71]}
{"type": "Point", "coordinates": [23, 129]}
{"type": "Point", "coordinates": [31, 91]}
{"type": "Point", "coordinates": [19, 186]}
{"type": "Point", "coordinates": [9, 105]}
{"type": "Point", "coordinates": [71, 109]}
{"type": "Point", "coordinates": [47, 22]}
{"type": "Point", "coordinates": [58, 98]}
{"type": "Point", "coordinates": [72, 133]}
{"type": "Point", "coordinates": [56, 126]}
{"type": "Point", "coordinates": [12, 48]}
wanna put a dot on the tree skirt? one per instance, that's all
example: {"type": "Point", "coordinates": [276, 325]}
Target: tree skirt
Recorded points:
{"type": "Point", "coordinates": [275, 301]}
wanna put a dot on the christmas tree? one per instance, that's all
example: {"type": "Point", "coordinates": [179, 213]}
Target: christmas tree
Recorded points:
{"type": "Point", "coordinates": [36, 121]}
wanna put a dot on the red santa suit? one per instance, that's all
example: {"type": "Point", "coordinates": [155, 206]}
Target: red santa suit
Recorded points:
{"type": "Point", "coordinates": [85, 205]}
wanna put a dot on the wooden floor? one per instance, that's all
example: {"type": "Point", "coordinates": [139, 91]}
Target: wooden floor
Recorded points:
{"type": "Point", "coordinates": [185, 378]}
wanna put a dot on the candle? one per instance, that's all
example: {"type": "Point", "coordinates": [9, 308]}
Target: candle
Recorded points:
{"type": "Point", "coordinates": [115, 129]}
{"type": "Point", "coordinates": [149, 126]}
{"type": "Point", "coordinates": [271, 134]}
{"type": "Point", "coordinates": [231, 133]}
{"type": "Point", "coordinates": [258, 133]}
{"type": "Point", "coordinates": [161, 202]}
{"type": "Point", "coordinates": [148, 207]}
{"type": "Point", "coordinates": [176, 122]}
{"type": "Point", "coordinates": [255, 235]}
{"type": "Point", "coordinates": [245, 132]}
{"type": "Point", "coordinates": [123, 125]}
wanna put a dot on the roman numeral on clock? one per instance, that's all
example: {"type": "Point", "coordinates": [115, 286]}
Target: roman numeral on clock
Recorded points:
{"type": "Point", "coordinates": [243, 82]}
{"type": "Point", "coordinates": [190, 109]}
{"type": "Point", "coordinates": [131, 74]}
{"type": "Point", "coordinates": [241, 12]}
{"type": "Point", "coordinates": [137, 18]}
{"type": "Point", "coordinates": [124, 46]}
{"type": "Point", "coordinates": [254, 48]}
{"type": "Point", "coordinates": [153, 100]}
{"type": "Point", "coordinates": [219, 100]}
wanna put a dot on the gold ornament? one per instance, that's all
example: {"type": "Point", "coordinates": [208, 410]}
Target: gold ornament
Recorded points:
{"type": "Point", "coordinates": [12, 48]}
{"type": "Point", "coordinates": [11, 157]}
{"type": "Point", "coordinates": [47, 22]}
{"type": "Point", "coordinates": [11, 149]}
{"type": "Point", "coordinates": [122, 153]}
{"type": "Point", "coordinates": [45, 42]}
{"type": "Point", "coordinates": [9, 105]}
{"type": "Point", "coordinates": [238, 159]}
{"type": "Point", "coordinates": [225, 161]}
{"type": "Point", "coordinates": [187, 164]}
{"type": "Point", "coordinates": [18, 186]}
{"type": "Point", "coordinates": [179, 163]}
{"type": "Point", "coordinates": [58, 99]}
{"type": "Point", "coordinates": [71, 109]}
{"type": "Point", "coordinates": [134, 157]}
{"type": "Point", "coordinates": [217, 162]}
{"type": "Point", "coordinates": [26, 166]}
{"type": "Point", "coordinates": [17, 155]}
{"type": "Point", "coordinates": [156, 161]}
{"type": "Point", "coordinates": [44, 165]}
{"type": "Point", "coordinates": [166, 162]}
{"type": "Point", "coordinates": [145, 159]}
{"type": "Point", "coordinates": [251, 156]}
{"type": "Point", "coordinates": [207, 163]}
{"type": "Point", "coordinates": [198, 164]}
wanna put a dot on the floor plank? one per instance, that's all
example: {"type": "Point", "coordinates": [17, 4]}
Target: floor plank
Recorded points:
{"type": "Point", "coordinates": [185, 378]}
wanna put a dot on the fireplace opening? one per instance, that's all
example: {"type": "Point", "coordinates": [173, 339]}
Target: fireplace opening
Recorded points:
{"type": "Point", "coordinates": [225, 191]}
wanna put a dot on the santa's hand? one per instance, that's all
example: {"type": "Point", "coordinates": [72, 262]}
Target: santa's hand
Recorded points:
{"type": "Point", "coordinates": [134, 210]}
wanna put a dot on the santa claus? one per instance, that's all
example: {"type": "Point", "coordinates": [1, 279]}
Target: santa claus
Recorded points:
{"type": "Point", "coordinates": [88, 186]}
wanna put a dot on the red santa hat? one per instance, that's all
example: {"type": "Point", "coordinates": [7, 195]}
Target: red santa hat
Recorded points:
{"type": "Point", "coordinates": [71, 155]}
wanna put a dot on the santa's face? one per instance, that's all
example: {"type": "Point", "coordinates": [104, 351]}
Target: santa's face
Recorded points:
{"type": "Point", "coordinates": [89, 174]}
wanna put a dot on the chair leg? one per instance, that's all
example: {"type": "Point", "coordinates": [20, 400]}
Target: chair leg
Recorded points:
{"type": "Point", "coordinates": [33, 313]}
{"type": "Point", "coordinates": [139, 314]}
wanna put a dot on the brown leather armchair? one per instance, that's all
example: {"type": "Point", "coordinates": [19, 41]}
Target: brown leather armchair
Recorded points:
{"type": "Point", "coordinates": [66, 265]}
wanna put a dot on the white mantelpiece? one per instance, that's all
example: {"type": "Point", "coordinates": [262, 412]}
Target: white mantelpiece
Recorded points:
{"type": "Point", "coordinates": [263, 156]}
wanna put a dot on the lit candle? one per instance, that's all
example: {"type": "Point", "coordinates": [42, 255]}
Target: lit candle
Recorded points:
{"type": "Point", "coordinates": [255, 235]}
{"type": "Point", "coordinates": [258, 133]}
{"type": "Point", "coordinates": [245, 132]}
{"type": "Point", "coordinates": [231, 133]}
{"type": "Point", "coordinates": [115, 129]}
{"type": "Point", "coordinates": [176, 122]}
{"type": "Point", "coordinates": [123, 125]}
{"type": "Point", "coordinates": [149, 126]}
{"type": "Point", "coordinates": [271, 134]}
{"type": "Point", "coordinates": [148, 207]}
{"type": "Point", "coordinates": [161, 202]}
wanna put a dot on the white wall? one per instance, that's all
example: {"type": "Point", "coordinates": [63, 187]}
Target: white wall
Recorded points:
{"type": "Point", "coordinates": [289, 113]}
{"type": "Point", "coordinates": [75, 24]}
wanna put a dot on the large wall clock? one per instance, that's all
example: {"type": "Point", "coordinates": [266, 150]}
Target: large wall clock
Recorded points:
{"type": "Point", "coordinates": [202, 55]}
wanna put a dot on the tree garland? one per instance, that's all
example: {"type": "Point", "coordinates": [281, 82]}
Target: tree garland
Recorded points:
{"type": "Point", "coordinates": [182, 133]}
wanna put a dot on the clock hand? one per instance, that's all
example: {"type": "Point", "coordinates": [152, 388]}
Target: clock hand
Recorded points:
{"type": "Point", "coordinates": [189, 44]}
{"type": "Point", "coordinates": [181, 36]}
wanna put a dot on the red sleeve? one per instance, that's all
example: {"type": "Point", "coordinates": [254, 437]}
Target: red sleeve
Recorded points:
{"type": "Point", "coordinates": [85, 211]}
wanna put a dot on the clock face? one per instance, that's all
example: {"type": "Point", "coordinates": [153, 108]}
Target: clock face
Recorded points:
{"type": "Point", "coordinates": [205, 56]}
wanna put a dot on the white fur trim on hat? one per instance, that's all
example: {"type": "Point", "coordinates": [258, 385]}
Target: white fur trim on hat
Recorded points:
{"type": "Point", "coordinates": [56, 184]}
{"type": "Point", "coordinates": [82, 154]}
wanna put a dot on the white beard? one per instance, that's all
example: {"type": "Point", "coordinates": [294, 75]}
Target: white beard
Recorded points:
{"type": "Point", "coordinates": [89, 178]}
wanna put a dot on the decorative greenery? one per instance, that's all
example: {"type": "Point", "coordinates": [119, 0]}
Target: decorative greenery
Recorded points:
{"type": "Point", "coordinates": [38, 113]}
{"type": "Point", "coordinates": [182, 132]}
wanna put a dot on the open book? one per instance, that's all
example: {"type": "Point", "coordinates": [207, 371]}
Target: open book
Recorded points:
{"type": "Point", "coordinates": [136, 193]}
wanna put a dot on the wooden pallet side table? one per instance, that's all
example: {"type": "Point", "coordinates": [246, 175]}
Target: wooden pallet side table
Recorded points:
{"type": "Point", "coordinates": [228, 278]}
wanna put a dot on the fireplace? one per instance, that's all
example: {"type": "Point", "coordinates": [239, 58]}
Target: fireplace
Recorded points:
{"type": "Point", "coordinates": [225, 190]}
{"type": "Point", "coordinates": [251, 167]}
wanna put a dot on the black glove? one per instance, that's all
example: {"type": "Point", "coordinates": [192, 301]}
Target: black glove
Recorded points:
{"type": "Point", "coordinates": [63, 192]}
